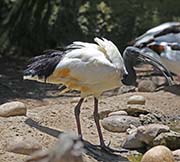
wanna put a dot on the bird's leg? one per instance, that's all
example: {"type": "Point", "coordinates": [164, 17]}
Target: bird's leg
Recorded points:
{"type": "Point", "coordinates": [77, 113]}
{"type": "Point", "coordinates": [96, 119]}
{"type": "Point", "coordinates": [102, 144]}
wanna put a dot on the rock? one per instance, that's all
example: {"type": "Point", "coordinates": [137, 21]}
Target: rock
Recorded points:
{"type": "Point", "coordinates": [143, 136]}
{"type": "Point", "coordinates": [69, 148]}
{"type": "Point", "coordinates": [126, 89]}
{"type": "Point", "coordinates": [12, 109]}
{"type": "Point", "coordinates": [158, 154]}
{"type": "Point", "coordinates": [148, 132]}
{"type": "Point", "coordinates": [170, 139]}
{"type": "Point", "coordinates": [119, 123]}
{"type": "Point", "coordinates": [118, 113]}
{"type": "Point", "coordinates": [146, 86]}
{"type": "Point", "coordinates": [136, 110]}
{"type": "Point", "coordinates": [151, 118]}
{"type": "Point", "coordinates": [158, 80]}
{"type": "Point", "coordinates": [24, 146]}
{"type": "Point", "coordinates": [176, 155]}
{"type": "Point", "coordinates": [136, 99]}
{"type": "Point", "coordinates": [103, 113]}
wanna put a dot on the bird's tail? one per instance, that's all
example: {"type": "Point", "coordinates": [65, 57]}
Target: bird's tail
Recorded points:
{"type": "Point", "coordinates": [41, 67]}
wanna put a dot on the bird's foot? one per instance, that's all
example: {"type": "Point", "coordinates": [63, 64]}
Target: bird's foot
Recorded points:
{"type": "Point", "coordinates": [108, 149]}
{"type": "Point", "coordinates": [104, 148]}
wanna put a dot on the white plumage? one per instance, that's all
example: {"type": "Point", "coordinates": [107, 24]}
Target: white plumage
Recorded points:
{"type": "Point", "coordinates": [90, 68]}
{"type": "Point", "coordinates": [163, 44]}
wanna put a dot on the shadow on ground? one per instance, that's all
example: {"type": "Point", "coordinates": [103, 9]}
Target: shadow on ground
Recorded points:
{"type": "Point", "coordinates": [91, 150]}
{"type": "Point", "coordinates": [175, 89]}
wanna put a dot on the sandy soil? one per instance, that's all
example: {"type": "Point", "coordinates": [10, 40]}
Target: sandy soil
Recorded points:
{"type": "Point", "coordinates": [50, 114]}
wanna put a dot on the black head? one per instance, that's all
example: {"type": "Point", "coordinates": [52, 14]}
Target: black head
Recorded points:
{"type": "Point", "coordinates": [130, 61]}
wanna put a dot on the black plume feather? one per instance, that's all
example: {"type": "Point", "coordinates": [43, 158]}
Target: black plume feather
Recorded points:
{"type": "Point", "coordinates": [44, 65]}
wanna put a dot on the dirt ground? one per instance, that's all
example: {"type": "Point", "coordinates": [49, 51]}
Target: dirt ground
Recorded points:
{"type": "Point", "coordinates": [50, 114]}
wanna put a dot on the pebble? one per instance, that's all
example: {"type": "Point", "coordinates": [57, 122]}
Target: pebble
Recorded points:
{"type": "Point", "coordinates": [176, 155]}
{"type": "Point", "coordinates": [143, 136]}
{"type": "Point", "coordinates": [152, 118]}
{"type": "Point", "coordinates": [15, 108]}
{"type": "Point", "coordinates": [136, 110]}
{"type": "Point", "coordinates": [24, 145]}
{"type": "Point", "coordinates": [119, 123]}
{"type": "Point", "coordinates": [136, 99]}
{"type": "Point", "coordinates": [170, 139]}
{"type": "Point", "coordinates": [146, 86]}
{"type": "Point", "coordinates": [158, 154]}
{"type": "Point", "coordinates": [103, 113]}
{"type": "Point", "coordinates": [118, 113]}
{"type": "Point", "coordinates": [158, 80]}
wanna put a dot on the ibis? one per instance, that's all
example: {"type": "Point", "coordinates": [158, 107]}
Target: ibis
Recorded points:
{"type": "Point", "coordinates": [90, 68]}
{"type": "Point", "coordinates": [163, 44]}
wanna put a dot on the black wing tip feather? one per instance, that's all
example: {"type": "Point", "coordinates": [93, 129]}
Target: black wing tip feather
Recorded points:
{"type": "Point", "coordinates": [43, 65]}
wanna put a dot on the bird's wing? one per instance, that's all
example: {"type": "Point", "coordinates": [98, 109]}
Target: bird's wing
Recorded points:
{"type": "Point", "coordinates": [42, 66]}
{"type": "Point", "coordinates": [156, 32]}
{"type": "Point", "coordinates": [107, 48]}
{"type": "Point", "coordinates": [86, 65]}
{"type": "Point", "coordinates": [165, 28]}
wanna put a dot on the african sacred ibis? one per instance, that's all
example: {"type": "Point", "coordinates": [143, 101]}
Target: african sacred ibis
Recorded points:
{"type": "Point", "coordinates": [162, 43]}
{"type": "Point", "coordinates": [91, 68]}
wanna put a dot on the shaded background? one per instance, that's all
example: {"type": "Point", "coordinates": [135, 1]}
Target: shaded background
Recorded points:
{"type": "Point", "coordinates": [28, 27]}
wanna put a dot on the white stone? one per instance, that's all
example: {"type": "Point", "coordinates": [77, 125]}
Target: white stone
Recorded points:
{"type": "Point", "coordinates": [118, 113]}
{"type": "Point", "coordinates": [119, 123]}
{"type": "Point", "coordinates": [24, 145]}
{"type": "Point", "coordinates": [158, 154]}
{"type": "Point", "coordinates": [176, 155]}
{"type": "Point", "coordinates": [136, 99]}
{"type": "Point", "coordinates": [136, 110]}
{"type": "Point", "coordinates": [15, 108]}
{"type": "Point", "coordinates": [103, 113]}
{"type": "Point", "coordinates": [146, 86]}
